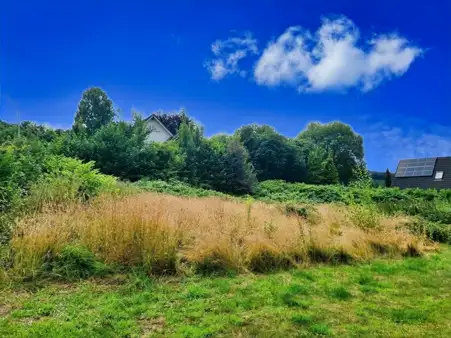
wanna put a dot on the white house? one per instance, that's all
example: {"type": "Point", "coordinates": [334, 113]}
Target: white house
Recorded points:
{"type": "Point", "coordinates": [158, 132]}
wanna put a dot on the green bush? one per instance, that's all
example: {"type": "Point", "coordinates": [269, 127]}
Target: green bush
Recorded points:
{"type": "Point", "coordinates": [68, 179]}
{"type": "Point", "coordinates": [366, 217]}
{"type": "Point", "coordinates": [31, 177]}
{"type": "Point", "coordinates": [20, 165]}
{"type": "Point", "coordinates": [74, 262]}
{"type": "Point", "coordinates": [176, 188]}
{"type": "Point", "coordinates": [281, 191]}
{"type": "Point", "coordinates": [435, 231]}
{"type": "Point", "coordinates": [301, 193]}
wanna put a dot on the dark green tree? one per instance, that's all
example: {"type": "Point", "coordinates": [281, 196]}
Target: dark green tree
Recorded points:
{"type": "Point", "coordinates": [238, 174]}
{"type": "Point", "coordinates": [272, 155]}
{"type": "Point", "coordinates": [361, 176]}
{"type": "Point", "coordinates": [321, 167]}
{"type": "Point", "coordinates": [338, 139]}
{"type": "Point", "coordinates": [189, 140]}
{"type": "Point", "coordinates": [121, 149]}
{"type": "Point", "coordinates": [28, 131]}
{"type": "Point", "coordinates": [387, 178]}
{"type": "Point", "coordinates": [95, 110]}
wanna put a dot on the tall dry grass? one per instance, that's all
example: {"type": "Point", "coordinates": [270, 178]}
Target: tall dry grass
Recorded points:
{"type": "Point", "coordinates": [168, 234]}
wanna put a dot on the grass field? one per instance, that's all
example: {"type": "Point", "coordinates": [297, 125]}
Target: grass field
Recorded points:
{"type": "Point", "coordinates": [385, 298]}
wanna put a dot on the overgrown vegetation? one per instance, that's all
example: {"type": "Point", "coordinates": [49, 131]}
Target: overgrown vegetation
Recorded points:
{"type": "Point", "coordinates": [164, 234]}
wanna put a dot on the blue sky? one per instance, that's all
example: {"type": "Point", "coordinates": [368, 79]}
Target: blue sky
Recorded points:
{"type": "Point", "coordinates": [382, 66]}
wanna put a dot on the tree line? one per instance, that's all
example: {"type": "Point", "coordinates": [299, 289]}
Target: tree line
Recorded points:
{"type": "Point", "coordinates": [329, 153]}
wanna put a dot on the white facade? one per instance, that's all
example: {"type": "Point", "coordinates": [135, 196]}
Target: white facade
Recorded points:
{"type": "Point", "coordinates": [158, 133]}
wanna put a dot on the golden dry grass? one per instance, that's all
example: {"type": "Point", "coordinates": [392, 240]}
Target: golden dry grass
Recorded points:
{"type": "Point", "coordinates": [168, 234]}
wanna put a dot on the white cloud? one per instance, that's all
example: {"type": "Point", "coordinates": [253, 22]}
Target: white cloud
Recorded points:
{"type": "Point", "coordinates": [332, 59]}
{"type": "Point", "coordinates": [228, 54]}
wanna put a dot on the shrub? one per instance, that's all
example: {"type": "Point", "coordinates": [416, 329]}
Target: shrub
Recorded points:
{"type": "Point", "coordinates": [365, 217]}
{"type": "Point", "coordinates": [435, 231]}
{"type": "Point", "coordinates": [177, 188]}
{"type": "Point", "coordinates": [67, 179]}
{"type": "Point", "coordinates": [20, 165]}
{"type": "Point", "coordinates": [73, 262]}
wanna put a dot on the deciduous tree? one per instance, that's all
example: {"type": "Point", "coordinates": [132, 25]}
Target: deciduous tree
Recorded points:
{"type": "Point", "coordinates": [338, 139]}
{"type": "Point", "coordinates": [95, 110]}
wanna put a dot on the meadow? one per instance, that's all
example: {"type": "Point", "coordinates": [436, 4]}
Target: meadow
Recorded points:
{"type": "Point", "coordinates": [195, 263]}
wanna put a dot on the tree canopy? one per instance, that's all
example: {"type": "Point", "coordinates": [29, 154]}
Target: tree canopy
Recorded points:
{"type": "Point", "coordinates": [273, 155]}
{"type": "Point", "coordinates": [95, 110]}
{"type": "Point", "coordinates": [329, 153]}
{"type": "Point", "coordinates": [338, 139]}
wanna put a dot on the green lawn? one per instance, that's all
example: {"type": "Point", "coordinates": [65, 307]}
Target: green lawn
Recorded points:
{"type": "Point", "coordinates": [402, 298]}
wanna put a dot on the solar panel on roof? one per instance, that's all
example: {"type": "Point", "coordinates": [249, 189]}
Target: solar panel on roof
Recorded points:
{"type": "Point", "coordinates": [416, 167]}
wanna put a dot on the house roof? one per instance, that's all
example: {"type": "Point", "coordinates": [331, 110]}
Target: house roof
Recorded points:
{"type": "Point", "coordinates": [155, 118]}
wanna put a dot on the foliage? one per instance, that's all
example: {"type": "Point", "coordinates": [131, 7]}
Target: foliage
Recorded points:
{"type": "Point", "coordinates": [387, 178]}
{"type": "Point", "coordinates": [95, 110]}
{"type": "Point", "coordinates": [20, 166]}
{"type": "Point", "coordinates": [27, 130]}
{"type": "Point", "coordinates": [338, 139]}
{"type": "Point", "coordinates": [200, 160]}
{"type": "Point", "coordinates": [361, 176]}
{"type": "Point", "coordinates": [321, 167]}
{"type": "Point", "coordinates": [431, 206]}
{"type": "Point", "coordinates": [302, 193]}
{"type": "Point", "coordinates": [31, 176]}
{"type": "Point", "coordinates": [66, 179]}
{"type": "Point", "coordinates": [237, 174]}
{"type": "Point", "coordinates": [176, 188]}
{"type": "Point", "coordinates": [73, 262]}
{"type": "Point", "coordinates": [220, 163]}
{"type": "Point", "coordinates": [435, 231]}
{"type": "Point", "coordinates": [121, 149]}
{"type": "Point", "coordinates": [366, 217]}
{"type": "Point", "coordinates": [273, 156]}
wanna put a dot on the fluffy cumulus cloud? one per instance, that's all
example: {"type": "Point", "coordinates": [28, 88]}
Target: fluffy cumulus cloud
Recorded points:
{"type": "Point", "coordinates": [227, 55]}
{"type": "Point", "coordinates": [332, 58]}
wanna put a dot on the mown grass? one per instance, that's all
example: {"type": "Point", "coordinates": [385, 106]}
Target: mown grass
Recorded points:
{"type": "Point", "coordinates": [385, 298]}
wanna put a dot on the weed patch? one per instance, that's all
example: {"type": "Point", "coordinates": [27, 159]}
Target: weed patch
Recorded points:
{"type": "Point", "coordinates": [320, 330]}
{"type": "Point", "coordinates": [73, 262]}
{"type": "Point", "coordinates": [340, 292]}
{"type": "Point", "coordinates": [408, 316]}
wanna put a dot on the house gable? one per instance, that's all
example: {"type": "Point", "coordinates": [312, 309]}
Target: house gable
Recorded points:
{"type": "Point", "coordinates": [158, 132]}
